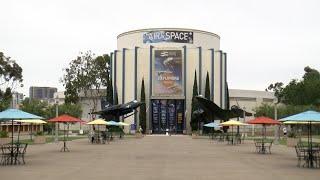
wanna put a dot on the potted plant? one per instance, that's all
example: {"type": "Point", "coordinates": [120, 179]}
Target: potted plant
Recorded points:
{"type": "Point", "coordinates": [4, 138]}
{"type": "Point", "coordinates": [39, 138]}
{"type": "Point", "coordinates": [292, 139]}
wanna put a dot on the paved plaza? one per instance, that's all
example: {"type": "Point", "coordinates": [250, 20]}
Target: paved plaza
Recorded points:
{"type": "Point", "coordinates": [157, 157]}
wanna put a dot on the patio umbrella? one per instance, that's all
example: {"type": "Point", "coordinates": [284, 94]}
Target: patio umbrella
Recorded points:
{"type": "Point", "coordinates": [98, 122]}
{"type": "Point", "coordinates": [112, 123]}
{"type": "Point", "coordinates": [310, 117]}
{"type": "Point", "coordinates": [263, 121]}
{"type": "Point", "coordinates": [31, 121]}
{"type": "Point", "coordinates": [16, 114]}
{"type": "Point", "coordinates": [233, 123]}
{"type": "Point", "coordinates": [65, 119]}
{"type": "Point", "coordinates": [212, 125]}
{"type": "Point", "coordinates": [123, 124]}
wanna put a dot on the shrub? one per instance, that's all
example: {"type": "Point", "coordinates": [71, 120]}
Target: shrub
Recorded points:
{"type": "Point", "coordinates": [292, 134]}
{"type": "Point", "coordinates": [39, 133]}
{"type": "Point", "coordinates": [3, 134]}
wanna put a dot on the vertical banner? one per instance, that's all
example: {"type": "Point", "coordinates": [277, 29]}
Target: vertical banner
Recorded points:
{"type": "Point", "coordinates": [155, 116]}
{"type": "Point", "coordinates": [172, 115]}
{"type": "Point", "coordinates": [167, 73]}
{"type": "Point", "coordinates": [163, 115]}
{"type": "Point", "coordinates": [180, 112]}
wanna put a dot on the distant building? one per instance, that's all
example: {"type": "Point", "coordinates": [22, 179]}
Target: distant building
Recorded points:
{"type": "Point", "coordinates": [17, 99]}
{"type": "Point", "coordinates": [250, 99]}
{"type": "Point", "coordinates": [87, 103]}
{"type": "Point", "coordinates": [42, 93]}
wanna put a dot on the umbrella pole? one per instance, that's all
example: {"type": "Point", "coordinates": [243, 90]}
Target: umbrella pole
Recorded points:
{"type": "Point", "coordinates": [12, 142]}
{"type": "Point", "coordinates": [311, 155]}
{"type": "Point", "coordinates": [31, 132]}
{"type": "Point", "coordinates": [19, 132]}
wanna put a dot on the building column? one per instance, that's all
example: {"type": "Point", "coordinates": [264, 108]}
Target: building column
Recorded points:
{"type": "Point", "coordinates": [185, 87]}
{"type": "Point", "coordinates": [123, 75]}
{"type": "Point", "coordinates": [115, 77]}
{"type": "Point", "coordinates": [221, 59]}
{"type": "Point", "coordinates": [200, 70]}
{"type": "Point", "coordinates": [212, 75]}
{"type": "Point", "coordinates": [150, 89]}
{"type": "Point", "coordinates": [225, 80]}
{"type": "Point", "coordinates": [135, 81]}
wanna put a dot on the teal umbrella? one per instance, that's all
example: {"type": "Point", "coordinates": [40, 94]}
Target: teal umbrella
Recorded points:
{"type": "Point", "coordinates": [16, 114]}
{"type": "Point", "coordinates": [112, 123]}
{"type": "Point", "coordinates": [307, 116]}
{"type": "Point", "coordinates": [213, 125]}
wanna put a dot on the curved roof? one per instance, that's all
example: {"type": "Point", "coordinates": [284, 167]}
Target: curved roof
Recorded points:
{"type": "Point", "coordinates": [176, 29]}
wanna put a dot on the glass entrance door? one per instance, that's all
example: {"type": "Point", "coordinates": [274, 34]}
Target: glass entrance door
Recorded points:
{"type": "Point", "coordinates": [167, 114]}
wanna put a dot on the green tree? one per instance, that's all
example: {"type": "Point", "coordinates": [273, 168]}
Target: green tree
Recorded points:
{"type": "Point", "coordinates": [143, 113]}
{"type": "Point", "coordinates": [37, 107]}
{"type": "Point", "coordinates": [194, 106]}
{"type": "Point", "coordinates": [299, 92]}
{"type": "Point", "coordinates": [86, 75]}
{"type": "Point", "coordinates": [207, 90]}
{"type": "Point", "coordinates": [10, 78]}
{"type": "Point", "coordinates": [283, 110]}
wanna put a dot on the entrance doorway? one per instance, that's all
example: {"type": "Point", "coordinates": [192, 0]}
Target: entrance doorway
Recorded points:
{"type": "Point", "coordinates": [167, 114]}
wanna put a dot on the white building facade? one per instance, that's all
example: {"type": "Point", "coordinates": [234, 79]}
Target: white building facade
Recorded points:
{"type": "Point", "coordinates": [167, 59]}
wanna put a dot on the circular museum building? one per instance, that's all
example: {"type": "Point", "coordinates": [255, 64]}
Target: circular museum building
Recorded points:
{"type": "Point", "coordinates": [167, 59]}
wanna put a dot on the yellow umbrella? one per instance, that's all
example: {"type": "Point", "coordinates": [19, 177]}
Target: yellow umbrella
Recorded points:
{"type": "Point", "coordinates": [233, 123]}
{"type": "Point", "coordinates": [299, 122]}
{"type": "Point", "coordinates": [98, 122]}
{"type": "Point", "coordinates": [33, 121]}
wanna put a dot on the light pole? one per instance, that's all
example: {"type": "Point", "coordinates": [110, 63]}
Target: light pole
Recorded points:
{"type": "Point", "coordinates": [56, 124]}
{"type": "Point", "coordinates": [277, 128]}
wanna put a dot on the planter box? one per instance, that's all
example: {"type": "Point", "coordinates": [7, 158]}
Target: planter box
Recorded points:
{"type": "Point", "coordinates": [291, 142]}
{"type": "Point", "coordinates": [5, 141]}
{"type": "Point", "coordinates": [39, 140]}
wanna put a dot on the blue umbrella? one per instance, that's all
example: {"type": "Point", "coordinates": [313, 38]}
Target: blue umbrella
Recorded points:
{"type": "Point", "coordinates": [213, 125]}
{"type": "Point", "coordinates": [307, 116]}
{"type": "Point", "coordinates": [112, 123]}
{"type": "Point", "coordinates": [16, 114]}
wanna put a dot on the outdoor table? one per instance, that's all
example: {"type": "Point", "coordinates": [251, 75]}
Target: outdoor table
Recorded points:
{"type": "Point", "coordinates": [262, 146]}
{"type": "Point", "coordinates": [312, 155]}
{"type": "Point", "coordinates": [11, 154]}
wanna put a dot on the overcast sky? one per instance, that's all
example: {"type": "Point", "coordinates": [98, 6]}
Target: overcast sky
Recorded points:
{"type": "Point", "coordinates": [266, 41]}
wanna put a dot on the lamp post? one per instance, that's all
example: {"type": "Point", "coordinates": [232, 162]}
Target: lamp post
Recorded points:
{"type": "Point", "coordinates": [277, 128]}
{"type": "Point", "coordinates": [56, 124]}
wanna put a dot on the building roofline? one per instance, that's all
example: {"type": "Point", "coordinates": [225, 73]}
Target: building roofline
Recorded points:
{"type": "Point", "coordinates": [181, 29]}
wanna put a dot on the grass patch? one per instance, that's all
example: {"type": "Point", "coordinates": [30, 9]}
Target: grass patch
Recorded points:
{"type": "Point", "coordinates": [50, 139]}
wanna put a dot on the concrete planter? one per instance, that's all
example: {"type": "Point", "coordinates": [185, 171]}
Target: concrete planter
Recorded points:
{"type": "Point", "coordinates": [39, 140]}
{"type": "Point", "coordinates": [5, 141]}
{"type": "Point", "coordinates": [291, 142]}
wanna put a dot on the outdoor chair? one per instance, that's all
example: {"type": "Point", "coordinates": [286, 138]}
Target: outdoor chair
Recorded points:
{"type": "Point", "coordinates": [5, 155]}
{"type": "Point", "coordinates": [21, 151]}
{"type": "Point", "coordinates": [258, 145]}
{"type": "Point", "coordinates": [269, 145]}
{"type": "Point", "coordinates": [301, 155]}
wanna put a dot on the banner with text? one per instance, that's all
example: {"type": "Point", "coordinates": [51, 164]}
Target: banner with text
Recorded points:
{"type": "Point", "coordinates": [168, 36]}
{"type": "Point", "coordinates": [167, 73]}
